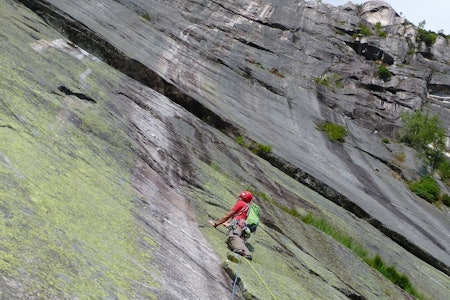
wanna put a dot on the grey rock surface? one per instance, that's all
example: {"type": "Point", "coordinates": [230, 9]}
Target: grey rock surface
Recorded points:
{"type": "Point", "coordinates": [248, 69]}
{"type": "Point", "coordinates": [242, 42]}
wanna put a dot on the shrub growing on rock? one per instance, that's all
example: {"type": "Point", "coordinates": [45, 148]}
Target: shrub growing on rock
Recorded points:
{"type": "Point", "coordinates": [446, 199]}
{"type": "Point", "coordinates": [444, 169]}
{"type": "Point", "coordinates": [426, 188]}
{"type": "Point", "coordinates": [262, 149]}
{"type": "Point", "coordinates": [427, 36]}
{"type": "Point", "coordinates": [335, 132]}
{"type": "Point", "coordinates": [384, 73]}
{"type": "Point", "coordinates": [364, 30]}
{"type": "Point", "coordinates": [426, 134]}
{"type": "Point", "coordinates": [379, 30]}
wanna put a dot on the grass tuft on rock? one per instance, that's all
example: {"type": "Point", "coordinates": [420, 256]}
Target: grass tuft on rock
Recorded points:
{"type": "Point", "coordinates": [335, 132]}
{"type": "Point", "coordinates": [376, 262]}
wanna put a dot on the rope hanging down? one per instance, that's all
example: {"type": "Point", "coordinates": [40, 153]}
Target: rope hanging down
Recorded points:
{"type": "Point", "coordinates": [260, 278]}
{"type": "Point", "coordinates": [236, 278]}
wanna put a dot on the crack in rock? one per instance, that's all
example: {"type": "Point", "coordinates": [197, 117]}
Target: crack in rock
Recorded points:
{"type": "Point", "coordinates": [80, 96]}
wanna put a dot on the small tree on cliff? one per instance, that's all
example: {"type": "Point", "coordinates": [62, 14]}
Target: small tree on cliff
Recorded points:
{"type": "Point", "coordinates": [425, 134]}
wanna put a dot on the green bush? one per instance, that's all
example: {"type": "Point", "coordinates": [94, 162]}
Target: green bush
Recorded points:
{"type": "Point", "coordinates": [260, 149]}
{"type": "Point", "coordinates": [376, 262]}
{"type": "Point", "coordinates": [364, 30]}
{"type": "Point", "coordinates": [429, 37]}
{"type": "Point", "coordinates": [241, 140]}
{"type": "Point", "coordinates": [446, 199]}
{"type": "Point", "coordinates": [382, 34]}
{"type": "Point", "coordinates": [425, 134]}
{"type": "Point", "coordinates": [384, 73]}
{"type": "Point", "coordinates": [378, 26]}
{"type": "Point", "coordinates": [263, 149]}
{"type": "Point", "coordinates": [426, 188]}
{"type": "Point", "coordinates": [257, 148]}
{"type": "Point", "coordinates": [444, 169]}
{"type": "Point", "coordinates": [379, 30]}
{"type": "Point", "coordinates": [335, 132]}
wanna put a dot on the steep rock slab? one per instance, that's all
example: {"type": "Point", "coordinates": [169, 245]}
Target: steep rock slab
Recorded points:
{"type": "Point", "coordinates": [101, 179]}
{"type": "Point", "coordinates": [222, 55]}
{"type": "Point", "coordinates": [171, 158]}
{"type": "Point", "coordinates": [76, 220]}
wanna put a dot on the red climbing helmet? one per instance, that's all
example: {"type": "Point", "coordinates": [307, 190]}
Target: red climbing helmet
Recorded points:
{"type": "Point", "coordinates": [246, 196]}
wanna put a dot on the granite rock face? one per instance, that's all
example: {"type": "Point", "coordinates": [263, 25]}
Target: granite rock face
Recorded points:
{"type": "Point", "coordinates": [129, 122]}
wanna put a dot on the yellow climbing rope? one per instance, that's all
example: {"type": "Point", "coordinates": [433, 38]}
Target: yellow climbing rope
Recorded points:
{"type": "Point", "coordinates": [260, 278]}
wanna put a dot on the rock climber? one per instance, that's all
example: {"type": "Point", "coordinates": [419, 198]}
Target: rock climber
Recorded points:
{"type": "Point", "coordinates": [236, 236]}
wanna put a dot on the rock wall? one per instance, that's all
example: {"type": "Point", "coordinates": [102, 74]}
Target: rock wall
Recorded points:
{"type": "Point", "coordinates": [115, 146]}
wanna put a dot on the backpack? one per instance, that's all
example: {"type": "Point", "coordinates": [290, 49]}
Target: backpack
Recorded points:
{"type": "Point", "coordinates": [253, 217]}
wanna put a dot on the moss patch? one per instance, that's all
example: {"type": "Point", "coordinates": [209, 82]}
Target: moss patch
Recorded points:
{"type": "Point", "coordinates": [67, 215]}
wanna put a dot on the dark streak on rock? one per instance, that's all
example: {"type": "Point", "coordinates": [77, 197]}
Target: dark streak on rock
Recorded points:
{"type": "Point", "coordinates": [81, 96]}
{"type": "Point", "coordinates": [6, 126]}
{"type": "Point", "coordinates": [341, 200]}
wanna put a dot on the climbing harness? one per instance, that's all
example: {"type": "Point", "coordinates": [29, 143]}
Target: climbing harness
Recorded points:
{"type": "Point", "coordinates": [245, 230]}
{"type": "Point", "coordinates": [236, 278]}
{"type": "Point", "coordinates": [231, 226]}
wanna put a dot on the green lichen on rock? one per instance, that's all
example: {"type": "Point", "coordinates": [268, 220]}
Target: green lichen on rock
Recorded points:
{"type": "Point", "coordinates": [67, 225]}
{"type": "Point", "coordinates": [270, 272]}
{"type": "Point", "coordinates": [323, 267]}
